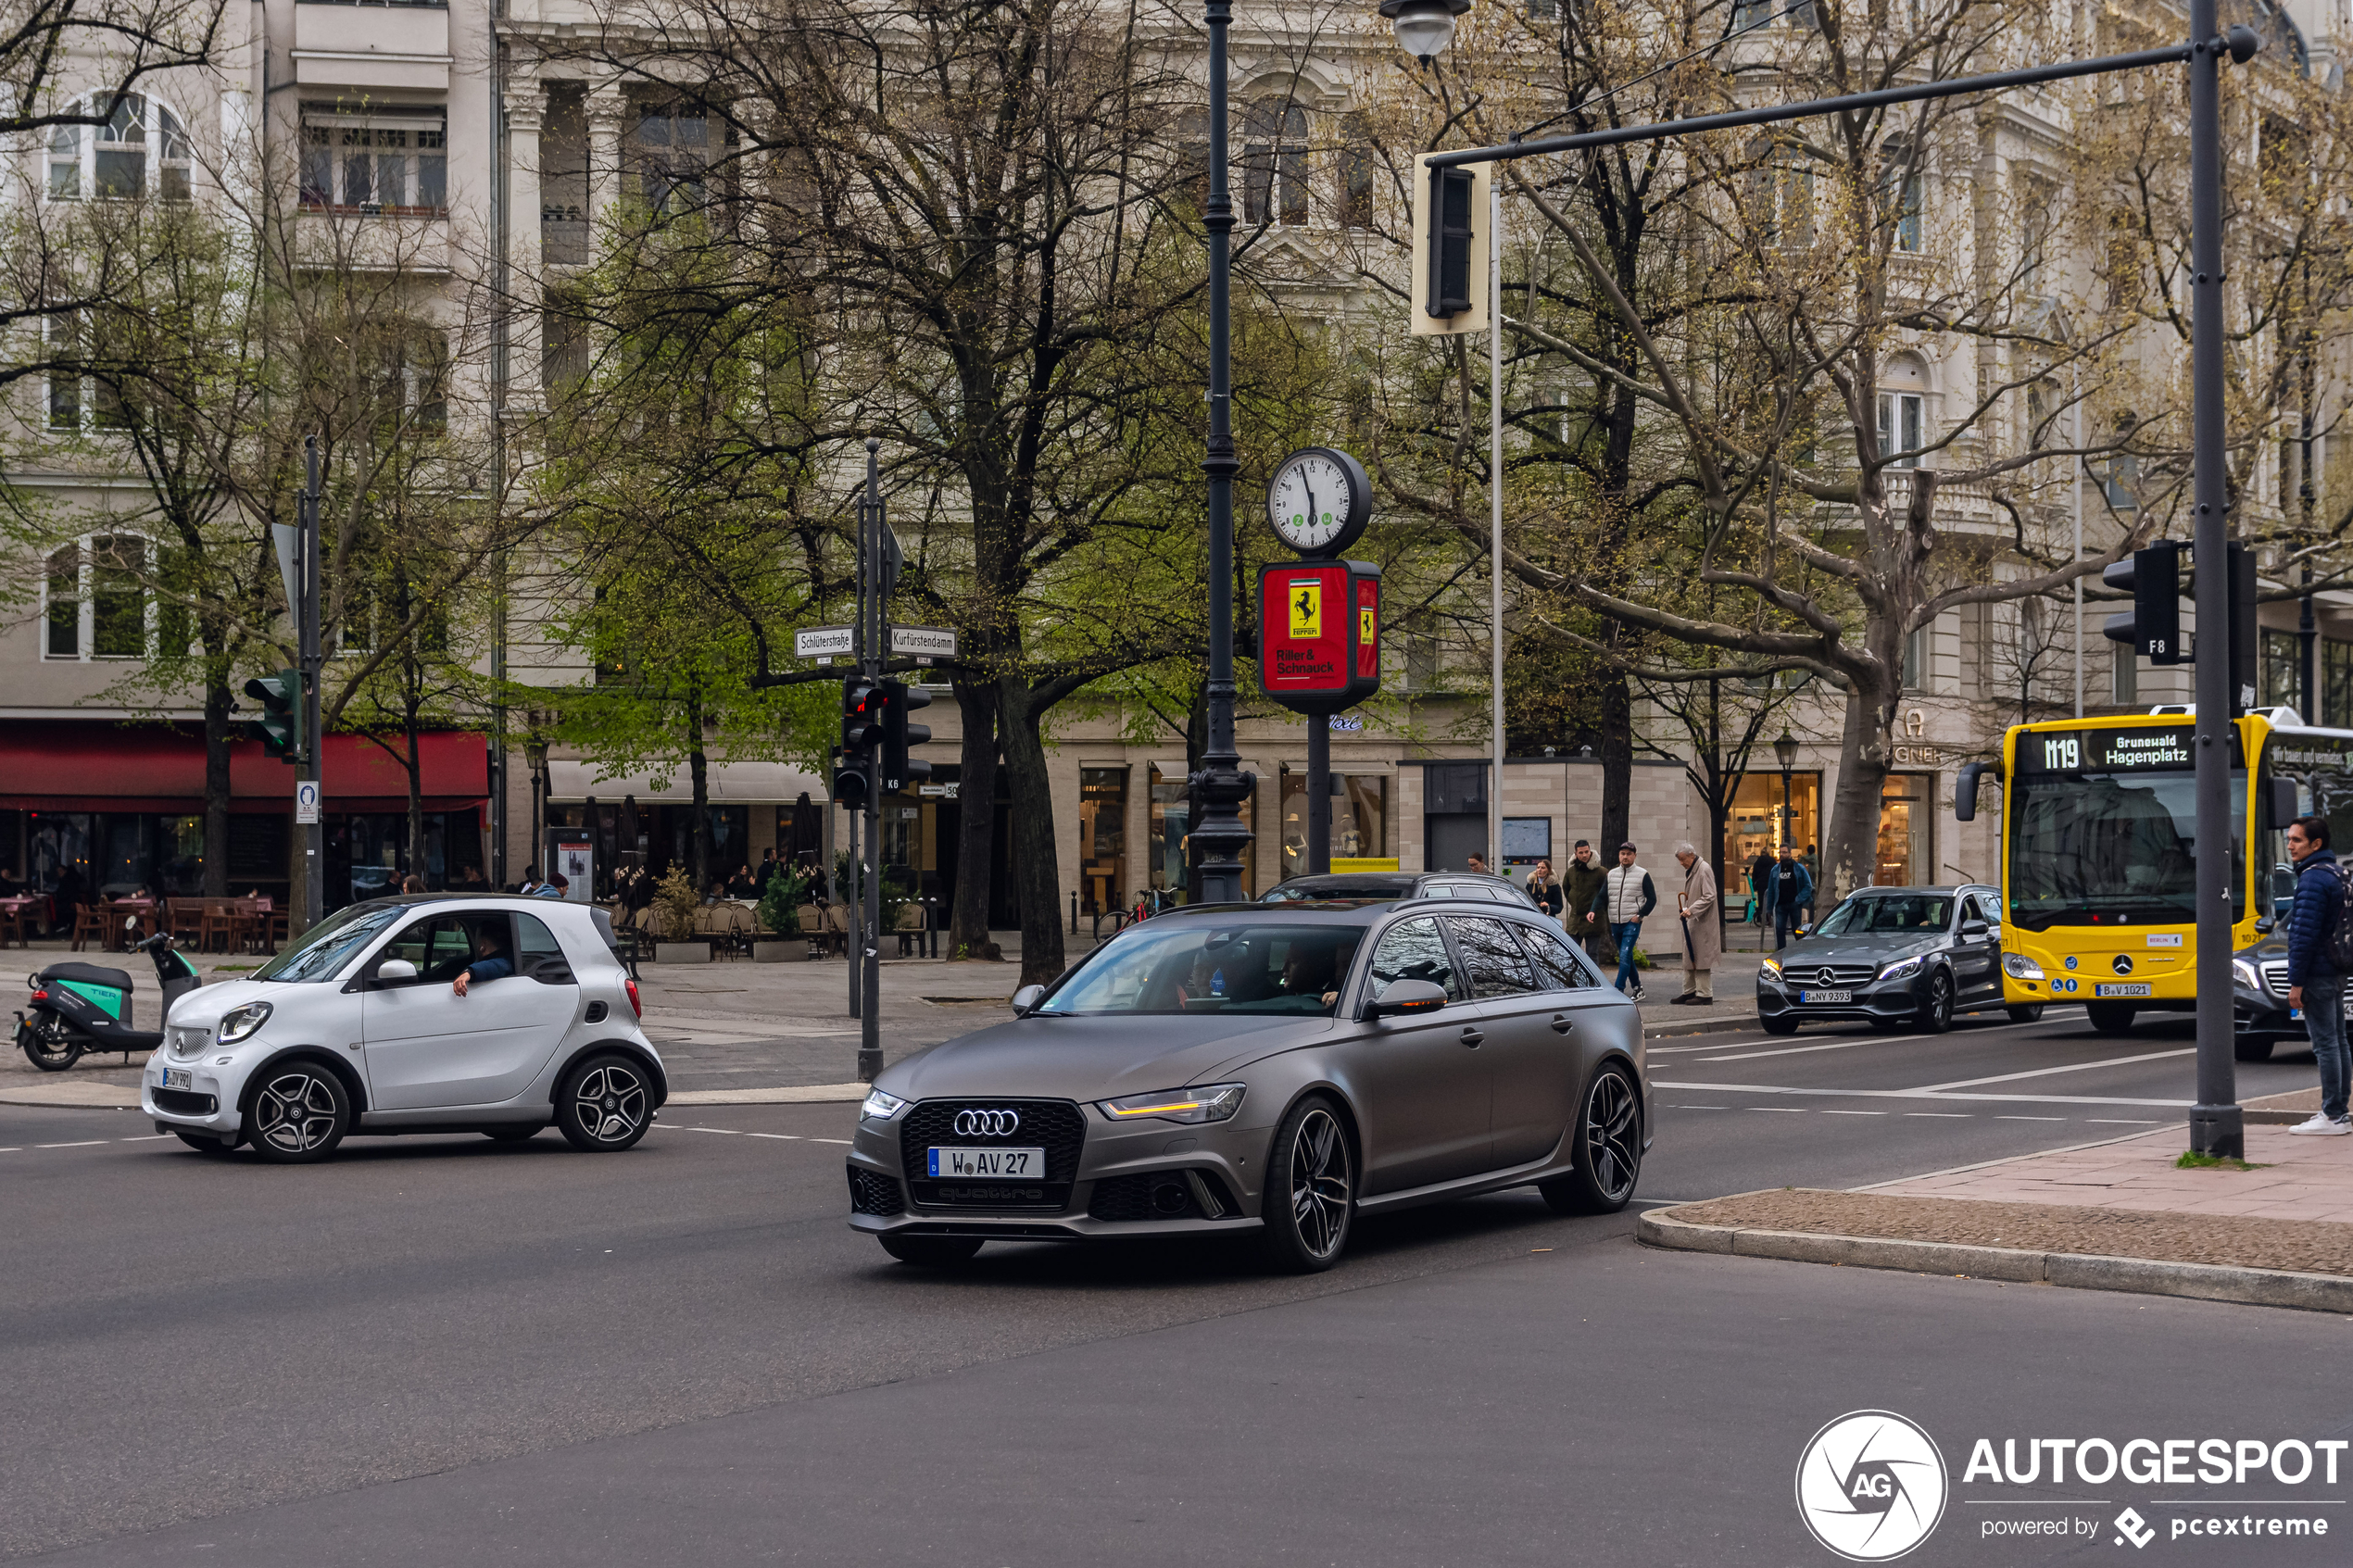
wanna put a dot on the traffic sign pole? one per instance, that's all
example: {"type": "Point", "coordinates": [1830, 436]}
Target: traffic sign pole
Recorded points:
{"type": "Point", "coordinates": [873, 611]}
{"type": "Point", "coordinates": [314, 865]}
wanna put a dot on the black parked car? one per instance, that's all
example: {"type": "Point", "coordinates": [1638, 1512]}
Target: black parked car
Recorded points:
{"type": "Point", "coordinates": [1896, 957]}
{"type": "Point", "coordinates": [1382, 885]}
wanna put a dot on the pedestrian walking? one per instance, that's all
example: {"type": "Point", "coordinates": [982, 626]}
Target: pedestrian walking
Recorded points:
{"type": "Point", "coordinates": [1758, 869]}
{"type": "Point", "coordinates": [1478, 864]}
{"type": "Point", "coordinates": [1811, 864]}
{"type": "Point", "coordinates": [1787, 891]}
{"type": "Point", "coordinates": [1702, 941]}
{"type": "Point", "coordinates": [1580, 895]}
{"type": "Point", "coordinates": [1544, 890]}
{"type": "Point", "coordinates": [2315, 983]}
{"type": "Point", "coordinates": [1627, 897]}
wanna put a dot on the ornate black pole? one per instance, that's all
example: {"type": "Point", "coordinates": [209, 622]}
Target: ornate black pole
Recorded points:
{"type": "Point", "coordinates": [1221, 785]}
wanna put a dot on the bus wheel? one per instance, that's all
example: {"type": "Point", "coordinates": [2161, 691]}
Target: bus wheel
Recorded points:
{"type": "Point", "coordinates": [2109, 1018]}
{"type": "Point", "coordinates": [2253, 1050]}
{"type": "Point", "coordinates": [2025, 1012]}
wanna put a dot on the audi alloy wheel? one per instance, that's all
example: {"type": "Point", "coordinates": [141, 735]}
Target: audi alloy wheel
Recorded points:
{"type": "Point", "coordinates": [299, 1114]}
{"type": "Point", "coordinates": [1311, 1189]}
{"type": "Point", "coordinates": [604, 1106]}
{"type": "Point", "coordinates": [1606, 1158]}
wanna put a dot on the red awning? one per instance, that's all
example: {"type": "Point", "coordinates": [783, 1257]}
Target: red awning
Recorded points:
{"type": "Point", "coordinates": [92, 765]}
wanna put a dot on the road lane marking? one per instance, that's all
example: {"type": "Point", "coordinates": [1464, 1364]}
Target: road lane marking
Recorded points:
{"type": "Point", "coordinates": [845, 1142]}
{"type": "Point", "coordinates": [2029, 1118]}
{"type": "Point", "coordinates": [1785, 1109]}
{"type": "Point", "coordinates": [1943, 1115]}
{"type": "Point", "coordinates": [1699, 1108]}
{"type": "Point", "coordinates": [1855, 1113]}
{"type": "Point", "coordinates": [86, 1143]}
{"type": "Point", "coordinates": [2120, 1121]}
{"type": "Point", "coordinates": [2079, 1067]}
{"type": "Point", "coordinates": [1915, 1094]}
{"type": "Point", "coordinates": [1833, 1046]}
{"type": "Point", "coordinates": [148, 1137]}
{"type": "Point", "coordinates": [795, 1137]}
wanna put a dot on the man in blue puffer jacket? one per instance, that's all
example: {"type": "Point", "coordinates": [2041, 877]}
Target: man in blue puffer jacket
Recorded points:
{"type": "Point", "coordinates": [2313, 983]}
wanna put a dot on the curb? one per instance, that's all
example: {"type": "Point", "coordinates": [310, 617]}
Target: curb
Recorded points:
{"type": "Point", "coordinates": [798, 1094]}
{"type": "Point", "coordinates": [75, 1097]}
{"type": "Point", "coordinates": [1664, 1030]}
{"type": "Point", "coordinates": [2076, 1271]}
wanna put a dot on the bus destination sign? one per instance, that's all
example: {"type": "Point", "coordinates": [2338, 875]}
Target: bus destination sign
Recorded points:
{"type": "Point", "coordinates": [2150, 749]}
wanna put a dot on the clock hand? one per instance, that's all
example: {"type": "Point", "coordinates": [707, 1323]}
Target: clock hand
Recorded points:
{"type": "Point", "coordinates": [1312, 513]}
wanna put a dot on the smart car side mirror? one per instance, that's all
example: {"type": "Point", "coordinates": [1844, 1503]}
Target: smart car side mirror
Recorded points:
{"type": "Point", "coordinates": [1026, 1000]}
{"type": "Point", "coordinates": [1404, 998]}
{"type": "Point", "coordinates": [395, 969]}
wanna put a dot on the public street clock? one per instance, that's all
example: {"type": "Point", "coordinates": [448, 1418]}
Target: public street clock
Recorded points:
{"type": "Point", "coordinates": [1319, 501]}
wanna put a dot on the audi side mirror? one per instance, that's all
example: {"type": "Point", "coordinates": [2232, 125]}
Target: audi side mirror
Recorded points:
{"type": "Point", "coordinates": [395, 969]}
{"type": "Point", "coordinates": [1026, 1000]}
{"type": "Point", "coordinates": [1404, 998]}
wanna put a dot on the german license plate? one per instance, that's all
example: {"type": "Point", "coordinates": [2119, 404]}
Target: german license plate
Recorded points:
{"type": "Point", "coordinates": [179, 1078]}
{"type": "Point", "coordinates": [2121, 989]}
{"type": "Point", "coordinates": [994, 1164]}
{"type": "Point", "coordinates": [1826, 996]}
{"type": "Point", "coordinates": [2297, 1014]}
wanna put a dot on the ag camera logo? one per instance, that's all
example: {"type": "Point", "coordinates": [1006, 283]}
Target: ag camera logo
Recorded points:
{"type": "Point", "coordinates": [1870, 1486]}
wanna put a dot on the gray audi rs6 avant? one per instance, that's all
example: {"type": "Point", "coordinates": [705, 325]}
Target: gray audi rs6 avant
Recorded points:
{"type": "Point", "coordinates": [1273, 1070]}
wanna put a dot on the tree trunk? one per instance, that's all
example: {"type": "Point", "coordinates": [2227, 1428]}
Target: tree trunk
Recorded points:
{"type": "Point", "coordinates": [217, 737]}
{"type": "Point", "coordinates": [976, 823]}
{"type": "Point", "coordinates": [1850, 848]}
{"type": "Point", "coordinates": [1618, 765]}
{"type": "Point", "coordinates": [1036, 875]}
{"type": "Point", "coordinates": [699, 816]}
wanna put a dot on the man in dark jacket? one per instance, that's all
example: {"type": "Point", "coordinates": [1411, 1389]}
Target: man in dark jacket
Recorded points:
{"type": "Point", "coordinates": [1786, 891]}
{"type": "Point", "coordinates": [2314, 984]}
{"type": "Point", "coordinates": [1581, 888]}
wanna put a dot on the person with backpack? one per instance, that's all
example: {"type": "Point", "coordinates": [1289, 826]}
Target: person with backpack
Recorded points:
{"type": "Point", "coordinates": [2319, 954]}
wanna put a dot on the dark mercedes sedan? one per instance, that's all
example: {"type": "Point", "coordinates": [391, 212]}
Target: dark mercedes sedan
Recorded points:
{"type": "Point", "coordinates": [1893, 957]}
{"type": "Point", "coordinates": [1265, 1070]}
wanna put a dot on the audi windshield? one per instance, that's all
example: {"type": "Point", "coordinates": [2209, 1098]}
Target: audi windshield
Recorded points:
{"type": "Point", "coordinates": [1292, 968]}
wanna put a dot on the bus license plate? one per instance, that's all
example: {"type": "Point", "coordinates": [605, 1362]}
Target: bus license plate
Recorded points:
{"type": "Point", "coordinates": [1826, 996]}
{"type": "Point", "coordinates": [2121, 988]}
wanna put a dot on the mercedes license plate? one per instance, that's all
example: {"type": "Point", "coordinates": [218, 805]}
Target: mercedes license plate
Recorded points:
{"type": "Point", "coordinates": [998, 1164]}
{"type": "Point", "coordinates": [2297, 1014]}
{"type": "Point", "coordinates": [2121, 989]}
{"type": "Point", "coordinates": [1826, 996]}
{"type": "Point", "coordinates": [179, 1078]}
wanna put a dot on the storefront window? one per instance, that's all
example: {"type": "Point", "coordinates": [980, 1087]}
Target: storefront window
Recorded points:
{"type": "Point", "coordinates": [1754, 827]}
{"type": "Point", "coordinates": [1170, 823]}
{"type": "Point", "coordinates": [57, 843]}
{"type": "Point", "coordinates": [1102, 838]}
{"type": "Point", "coordinates": [1904, 857]}
{"type": "Point", "coordinates": [1360, 818]}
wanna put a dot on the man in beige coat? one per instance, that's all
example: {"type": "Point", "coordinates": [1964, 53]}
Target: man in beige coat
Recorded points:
{"type": "Point", "coordinates": [1703, 938]}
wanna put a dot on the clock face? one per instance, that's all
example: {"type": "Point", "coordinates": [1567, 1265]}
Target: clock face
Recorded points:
{"type": "Point", "coordinates": [1318, 502]}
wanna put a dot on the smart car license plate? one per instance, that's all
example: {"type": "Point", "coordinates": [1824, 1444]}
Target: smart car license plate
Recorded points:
{"type": "Point", "coordinates": [1000, 1164]}
{"type": "Point", "coordinates": [1826, 996]}
{"type": "Point", "coordinates": [179, 1078]}
{"type": "Point", "coordinates": [2121, 988]}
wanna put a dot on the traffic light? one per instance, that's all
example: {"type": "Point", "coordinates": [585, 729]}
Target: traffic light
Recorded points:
{"type": "Point", "coordinates": [861, 716]}
{"type": "Point", "coordinates": [853, 779]}
{"type": "Point", "coordinates": [279, 726]}
{"type": "Point", "coordinates": [1450, 249]}
{"type": "Point", "coordinates": [2245, 638]}
{"type": "Point", "coordinates": [897, 701]}
{"type": "Point", "coordinates": [2153, 579]}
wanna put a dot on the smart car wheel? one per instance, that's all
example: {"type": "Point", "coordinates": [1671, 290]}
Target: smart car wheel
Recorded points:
{"type": "Point", "coordinates": [1607, 1149]}
{"type": "Point", "coordinates": [604, 1105]}
{"type": "Point", "coordinates": [1937, 1013]}
{"type": "Point", "coordinates": [299, 1114]}
{"type": "Point", "coordinates": [931, 1251]}
{"type": "Point", "coordinates": [1311, 1189]}
{"type": "Point", "coordinates": [2025, 1012]}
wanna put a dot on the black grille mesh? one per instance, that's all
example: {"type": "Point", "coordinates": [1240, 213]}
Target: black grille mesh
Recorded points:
{"type": "Point", "coordinates": [873, 1194]}
{"type": "Point", "coordinates": [1131, 1198]}
{"type": "Point", "coordinates": [1054, 1126]}
{"type": "Point", "coordinates": [181, 1102]}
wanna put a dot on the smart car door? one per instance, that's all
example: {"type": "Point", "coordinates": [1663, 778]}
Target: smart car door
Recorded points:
{"type": "Point", "coordinates": [413, 1025]}
{"type": "Point", "coordinates": [1423, 1079]}
{"type": "Point", "coordinates": [428, 1047]}
{"type": "Point", "coordinates": [1532, 1085]}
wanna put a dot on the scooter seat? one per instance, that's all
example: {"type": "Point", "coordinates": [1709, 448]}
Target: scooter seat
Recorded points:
{"type": "Point", "coordinates": [89, 974]}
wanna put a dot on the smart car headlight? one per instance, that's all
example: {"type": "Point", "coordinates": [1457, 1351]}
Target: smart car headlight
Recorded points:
{"type": "Point", "coordinates": [1901, 968]}
{"type": "Point", "coordinates": [881, 1107]}
{"type": "Point", "coordinates": [239, 1024]}
{"type": "Point", "coordinates": [2018, 966]}
{"type": "Point", "coordinates": [1214, 1103]}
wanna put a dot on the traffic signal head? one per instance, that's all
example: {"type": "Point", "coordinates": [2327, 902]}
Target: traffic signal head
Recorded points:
{"type": "Point", "coordinates": [861, 716]}
{"type": "Point", "coordinates": [1450, 249]}
{"type": "Point", "coordinates": [279, 726]}
{"type": "Point", "coordinates": [853, 780]}
{"type": "Point", "coordinates": [897, 699]}
{"type": "Point", "coordinates": [2153, 579]}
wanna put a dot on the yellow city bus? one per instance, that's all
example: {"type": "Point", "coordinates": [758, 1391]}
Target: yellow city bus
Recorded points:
{"type": "Point", "coordinates": [2099, 848]}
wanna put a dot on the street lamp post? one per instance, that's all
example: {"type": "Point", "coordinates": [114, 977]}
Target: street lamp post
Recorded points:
{"type": "Point", "coordinates": [534, 755]}
{"type": "Point", "coordinates": [1785, 750]}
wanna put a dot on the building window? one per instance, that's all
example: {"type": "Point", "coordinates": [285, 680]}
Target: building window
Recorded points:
{"type": "Point", "coordinates": [78, 399]}
{"type": "Point", "coordinates": [1103, 840]}
{"type": "Point", "coordinates": [1274, 163]}
{"type": "Point", "coordinates": [98, 603]}
{"type": "Point", "coordinates": [1900, 428]}
{"type": "Point", "coordinates": [1916, 656]}
{"type": "Point", "coordinates": [2336, 684]}
{"type": "Point", "coordinates": [2282, 671]}
{"type": "Point", "coordinates": [1900, 192]}
{"type": "Point", "coordinates": [672, 147]}
{"type": "Point", "coordinates": [1356, 173]}
{"type": "Point", "coordinates": [140, 148]}
{"type": "Point", "coordinates": [382, 160]}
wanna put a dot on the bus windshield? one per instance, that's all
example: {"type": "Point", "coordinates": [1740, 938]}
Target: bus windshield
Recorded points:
{"type": "Point", "coordinates": [2097, 849]}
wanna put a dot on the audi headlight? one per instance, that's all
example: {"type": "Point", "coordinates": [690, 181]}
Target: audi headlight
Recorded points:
{"type": "Point", "coordinates": [1214, 1103]}
{"type": "Point", "coordinates": [239, 1024]}
{"type": "Point", "coordinates": [2245, 971]}
{"type": "Point", "coordinates": [880, 1106]}
{"type": "Point", "coordinates": [1900, 968]}
{"type": "Point", "coordinates": [2018, 966]}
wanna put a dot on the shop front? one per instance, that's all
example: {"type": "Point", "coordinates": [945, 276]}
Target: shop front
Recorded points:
{"type": "Point", "coordinates": [1762, 818]}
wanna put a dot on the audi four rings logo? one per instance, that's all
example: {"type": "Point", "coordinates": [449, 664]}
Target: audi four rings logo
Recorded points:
{"type": "Point", "coordinates": [987, 1123]}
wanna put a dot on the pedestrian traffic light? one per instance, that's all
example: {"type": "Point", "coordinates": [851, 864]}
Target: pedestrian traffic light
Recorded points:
{"type": "Point", "coordinates": [897, 701]}
{"type": "Point", "coordinates": [2153, 579]}
{"type": "Point", "coordinates": [861, 716]}
{"type": "Point", "coordinates": [279, 726]}
{"type": "Point", "coordinates": [1450, 249]}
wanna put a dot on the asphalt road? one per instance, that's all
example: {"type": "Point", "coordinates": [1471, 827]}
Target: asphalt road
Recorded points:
{"type": "Point", "coordinates": [443, 1350]}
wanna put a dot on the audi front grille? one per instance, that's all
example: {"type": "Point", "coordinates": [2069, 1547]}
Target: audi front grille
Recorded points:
{"type": "Point", "coordinates": [1055, 1126]}
{"type": "Point", "coordinates": [873, 1194]}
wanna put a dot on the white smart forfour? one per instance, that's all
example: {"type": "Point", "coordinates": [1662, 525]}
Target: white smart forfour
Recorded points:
{"type": "Point", "coordinates": [433, 1013]}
